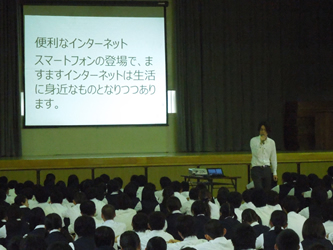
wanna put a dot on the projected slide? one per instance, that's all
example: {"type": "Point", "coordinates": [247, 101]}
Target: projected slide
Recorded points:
{"type": "Point", "coordinates": [82, 70]}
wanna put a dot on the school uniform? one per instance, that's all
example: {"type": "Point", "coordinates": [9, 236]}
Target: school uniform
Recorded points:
{"type": "Point", "coordinates": [99, 205]}
{"type": "Point", "coordinates": [172, 221]}
{"type": "Point", "coordinates": [259, 229]}
{"type": "Point", "coordinates": [117, 227]}
{"type": "Point", "coordinates": [199, 221]}
{"type": "Point", "coordinates": [217, 243]}
{"type": "Point", "coordinates": [144, 240]}
{"type": "Point", "coordinates": [54, 236]}
{"type": "Point", "coordinates": [295, 222]}
{"type": "Point", "coordinates": [189, 241]}
{"type": "Point", "coordinates": [125, 216]}
{"type": "Point", "coordinates": [39, 230]}
{"type": "Point", "coordinates": [85, 243]}
{"type": "Point", "coordinates": [186, 208]}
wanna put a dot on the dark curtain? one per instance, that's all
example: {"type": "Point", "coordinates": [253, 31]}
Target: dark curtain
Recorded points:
{"type": "Point", "coordinates": [10, 131]}
{"type": "Point", "coordinates": [239, 61]}
{"type": "Point", "coordinates": [229, 73]}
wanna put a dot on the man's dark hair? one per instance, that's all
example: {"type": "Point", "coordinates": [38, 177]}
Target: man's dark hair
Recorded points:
{"type": "Point", "coordinates": [140, 222]}
{"type": "Point", "coordinates": [104, 236]}
{"type": "Point", "coordinates": [290, 204]}
{"type": "Point", "coordinates": [88, 208]}
{"type": "Point", "coordinates": [56, 197]}
{"type": "Point", "coordinates": [165, 181]}
{"type": "Point", "coordinates": [156, 220]}
{"type": "Point", "coordinates": [84, 226]}
{"type": "Point", "coordinates": [235, 199]}
{"type": "Point", "coordinates": [109, 212]}
{"type": "Point", "coordinates": [244, 237]}
{"type": "Point", "coordinates": [173, 204]}
{"type": "Point", "coordinates": [156, 243]}
{"type": "Point", "coordinates": [214, 229]}
{"type": "Point", "coordinates": [263, 123]}
{"type": "Point", "coordinates": [53, 221]}
{"type": "Point", "coordinates": [129, 240]}
{"type": "Point", "coordinates": [287, 240]}
{"type": "Point", "coordinates": [186, 225]}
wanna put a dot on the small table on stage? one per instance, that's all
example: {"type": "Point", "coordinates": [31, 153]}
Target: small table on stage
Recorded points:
{"type": "Point", "coordinates": [212, 181]}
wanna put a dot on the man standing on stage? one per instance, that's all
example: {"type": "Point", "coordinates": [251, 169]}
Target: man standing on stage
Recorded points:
{"type": "Point", "coordinates": [263, 158]}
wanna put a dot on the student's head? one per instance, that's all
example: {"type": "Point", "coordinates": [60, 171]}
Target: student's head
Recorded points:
{"type": "Point", "coordinates": [249, 216]}
{"type": "Point", "coordinates": [156, 220]}
{"type": "Point", "coordinates": [185, 225]}
{"type": "Point", "coordinates": [28, 192]}
{"type": "Point", "coordinates": [278, 220]}
{"type": "Point", "coordinates": [33, 242]}
{"type": "Point", "coordinates": [108, 212]}
{"type": "Point", "coordinates": [287, 240]}
{"type": "Point", "coordinates": [214, 229]}
{"type": "Point", "coordinates": [247, 195]}
{"type": "Point", "coordinates": [330, 171]}
{"type": "Point", "coordinates": [113, 186]}
{"type": "Point", "coordinates": [73, 181]}
{"type": "Point", "coordinates": [41, 195]}
{"type": "Point", "coordinates": [156, 243]}
{"type": "Point", "coordinates": [185, 186]}
{"type": "Point", "coordinates": [3, 195]}
{"type": "Point", "coordinates": [165, 181]}
{"type": "Point", "coordinates": [148, 194]}
{"type": "Point", "coordinates": [129, 240]}
{"type": "Point", "coordinates": [91, 193]}
{"type": "Point", "coordinates": [290, 204]}
{"type": "Point", "coordinates": [244, 237]}
{"type": "Point", "coordinates": [36, 217]}
{"type": "Point", "coordinates": [259, 198]}
{"type": "Point", "coordinates": [167, 192]}
{"type": "Point", "coordinates": [79, 197]}
{"type": "Point", "coordinates": [120, 181]}
{"type": "Point", "coordinates": [272, 198]}
{"type": "Point", "coordinates": [194, 193]}
{"type": "Point", "coordinates": [227, 210]}
{"type": "Point", "coordinates": [328, 210]}
{"type": "Point", "coordinates": [140, 222]}
{"type": "Point", "coordinates": [173, 204]}
{"type": "Point", "coordinates": [104, 236]}
{"type": "Point", "coordinates": [105, 178]}
{"type": "Point", "coordinates": [88, 208]}
{"type": "Point", "coordinates": [56, 196]}
{"type": "Point", "coordinates": [49, 180]}
{"type": "Point", "coordinates": [53, 221]}
{"type": "Point", "coordinates": [318, 195]}
{"type": "Point", "coordinates": [313, 228]}
{"type": "Point", "coordinates": [84, 226]}
{"type": "Point", "coordinates": [287, 177]}
{"type": "Point", "coordinates": [131, 189]}
{"type": "Point", "coordinates": [124, 201]}
{"type": "Point", "coordinates": [205, 195]}
{"type": "Point", "coordinates": [142, 180]}
{"type": "Point", "coordinates": [199, 207]}
{"type": "Point", "coordinates": [176, 186]}
{"type": "Point", "coordinates": [235, 199]}
{"type": "Point", "coordinates": [21, 200]}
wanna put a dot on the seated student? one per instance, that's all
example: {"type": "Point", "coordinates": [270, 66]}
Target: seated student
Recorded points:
{"type": "Point", "coordinates": [148, 201]}
{"type": "Point", "coordinates": [41, 197]}
{"type": "Point", "coordinates": [129, 240]}
{"type": "Point", "coordinates": [228, 219]}
{"type": "Point", "coordinates": [36, 222]}
{"type": "Point", "coordinates": [87, 208]}
{"type": "Point", "coordinates": [177, 187]}
{"type": "Point", "coordinates": [156, 243]}
{"type": "Point", "coordinates": [29, 193]}
{"type": "Point", "coordinates": [287, 240]}
{"type": "Point", "coordinates": [244, 237]}
{"type": "Point", "coordinates": [120, 183]}
{"type": "Point", "coordinates": [273, 201]}
{"type": "Point", "coordinates": [167, 193]}
{"type": "Point", "coordinates": [113, 193]}
{"type": "Point", "coordinates": [53, 225]}
{"type": "Point", "coordinates": [206, 197]}
{"type": "Point", "coordinates": [284, 189]}
{"type": "Point", "coordinates": [156, 224]}
{"type": "Point", "coordinates": [164, 182]}
{"type": "Point", "coordinates": [140, 224]}
{"type": "Point", "coordinates": [278, 222]}
{"type": "Point", "coordinates": [259, 199]}
{"type": "Point", "coordinates": [22, 201]}
{"type": "Point", "coordinates": [56, 206]}
{"type": "Point", "coordinates": [247, 198]}
{"type": "Point", "coordinates": [214, 233]}
{"type": "Point", "coordinates": [3, 197]}
{"type": "Point", "coordinates": [92, 195]}
{"type": "Point", "coordinates": [222, 194]}
{"type": "Point", "coordinates": [185, 189]}
{"type": "Point", "coordinates": [193, 196]}
{"type": "Point", "coordinates": [314, 232]}
{"type": "Point", "coordinates": [11, 191]}
{"type": "Point", "coordinates": [131, 190]}
{"type": "Point", "coordinates": [142, 181]}
{"type": "Point", "coordinates": [85, 230]}
{"type": "Point", "coordinates": [33, 242]}
{"type": "Point", "coordinates": [328, 216]}
{"type": "Point", "coordinates": [318, 197]}
{"type": "Point", "coordinates": [104, 238]}
{"type": "Point", "coordinates": [74, 212]}
{"type": "Point", "coordinates": [173, 205]}
{"type": "Point", "coordinates": [201, 215]}
{"type": "Point", "coordinates": [108, 215]}
{"type": "Point", "coordinates": [124, 212]}
{"type": "Point", "coordinates": [235, 199]}
{"type": "Point", "coordinates": [185, 226]}
{"type": "Point", "coordinates": [295, 220]}
{"type": "Point", "coordinates": [302, 186]}
{"type": "Point", "coordinates": [249, 216]}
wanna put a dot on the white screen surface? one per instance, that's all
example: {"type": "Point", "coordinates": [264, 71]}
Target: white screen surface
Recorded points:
{"type": "Point", "coordinates": [84, 70]}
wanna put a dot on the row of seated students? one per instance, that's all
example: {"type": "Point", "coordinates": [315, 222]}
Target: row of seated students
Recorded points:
{"type": "Point", "coordinates": [76, 212]}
